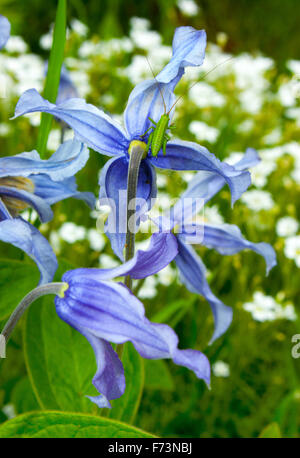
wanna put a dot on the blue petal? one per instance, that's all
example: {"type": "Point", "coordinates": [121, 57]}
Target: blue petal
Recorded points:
{"type": "Point", "coordinates": [147, 100]}
{"type": "Point", "coordinates": [182, 155]}
{"type": "Point", "coordinates": [40, 205]}
{"type": "Point", "coordinates": [90, 124]}
{"type": "Point", "coordinates": [152, 98]}
{"type": "Point", "coordinates": [113, 192]}
{"type": "Point", "coordinates": [70, 157]}
{"type": "Point", "coordinates": [26, 237]}
{"type": "Point", "coordinates": [111, 312]}
{"type": "Point", "coordinates": [55, 191]}
{"type": "Point", "coordinates": [4, 213]}
{"type": "Point", "coordinates": [250, 159]}
{"type": "Point", "coordinates": [205, 185]}
{"type": "Point", "coordinates": [4, 31]}
{"type": "Point", "coordinates": [192, 274]}
{"type": "Point", "coordinates": [161, 251]}
{"type": "Point", "coordinates": [188, 50]}
{"type": "Point", "coordinates": [227, 239]}
{"type": "Point", "coordinates": [109, 379]}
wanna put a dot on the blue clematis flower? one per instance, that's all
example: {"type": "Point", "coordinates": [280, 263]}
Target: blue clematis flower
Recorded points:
{"type": "Point", "coordinates": [28, 181]}
{"type": "Point", "coordinates": [149, 99]}
{"type": "Point", "coordinates": [4, 30]}
{"type": "Point", "coordinates": [225, 238]}
{"type": "Point", "coordinates": [104, 311]}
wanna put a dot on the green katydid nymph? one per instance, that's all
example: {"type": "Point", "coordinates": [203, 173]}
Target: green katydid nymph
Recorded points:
{"type": "Point", "coordinates": [159, 137]}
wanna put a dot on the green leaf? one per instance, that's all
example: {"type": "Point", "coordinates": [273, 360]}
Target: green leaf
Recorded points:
{"type": "Point", "coordinates": [172, 311]}
{"type": "Point", "coordinates": [53, 74]}
{"type": "Point", "coordinates": [67, 425]}
{"type": "Point", "coordinates": [23, 397]}
{"type": "Point", "coordinates": [26, 276]}
{"type": "Point", "coordinates": [271, 431]}
{"type": "Point", "coordinates": [157, 375]}
{"type": "Point", "coordinates": [125, 408]}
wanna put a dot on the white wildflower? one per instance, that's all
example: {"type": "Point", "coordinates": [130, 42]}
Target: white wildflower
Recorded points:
{"type": "Point", "coordinates": [287, 226]}
{"type": "Point", "coordinates": [204, 95]}
{"type": "Point", "coordinates": [148, 289]}
{"type": "Point", "coordinates": [71, 232]}
{"type": "Point", "coordinates": [258, 200]}
{"type": "Point", "coordinates": [221, 369]}
{"type": "Point", "coordinates": [188, 7]}
{"type": "Point", "coordinates": [292, 248]}
{"type": "Point", "coordinates": [203, 131]}
{"type": "Point", "coordinates": [107, 262]}
{"type": "Point", "coordinates": [96, 239]}
{"type": "Point", "coordinates": [263, 308]}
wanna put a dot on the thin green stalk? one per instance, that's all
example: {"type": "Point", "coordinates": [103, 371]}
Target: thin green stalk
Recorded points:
{"type": "Point", "coordinates": [53, 73]}
{"type": "Point", "coordinates": [136, 152]}
{"type": "Point", "coordinates": [48, 288]}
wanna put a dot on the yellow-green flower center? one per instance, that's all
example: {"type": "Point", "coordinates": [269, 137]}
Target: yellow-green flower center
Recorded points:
{"type": "Point", "coordinates": [137, 144]}
{"type": "Point", "coordinates": [14, 205]}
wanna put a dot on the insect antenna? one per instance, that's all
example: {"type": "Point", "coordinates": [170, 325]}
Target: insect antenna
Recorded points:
{"type": "Point", "coordinates": [196, 82]}
{"type": "Point", "coordinates": [159, 88]}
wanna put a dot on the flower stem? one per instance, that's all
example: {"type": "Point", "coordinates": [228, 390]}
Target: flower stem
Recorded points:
{"type": "Point", "coordinates": [49, 288]}
{"type": "Point", "coordinates": [136, 152]}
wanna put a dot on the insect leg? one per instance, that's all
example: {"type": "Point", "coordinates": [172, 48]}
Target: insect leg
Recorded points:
{"type": "Point", "coordinates": [149, 142]}
{"type": "Point", "coordinates": [143, 135]}
{"type": "Point", "coordinates": [152, 121]}
{"type": "Point", "coordinates": [164, 145]}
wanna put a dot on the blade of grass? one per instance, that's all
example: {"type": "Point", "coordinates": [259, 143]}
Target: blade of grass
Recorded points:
{"type": "Point", "coordinates": [53, 73]}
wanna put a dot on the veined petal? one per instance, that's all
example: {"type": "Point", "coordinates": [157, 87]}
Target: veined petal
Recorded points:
{"type": "Point", "coordinates": [109, 379]}
{"type": "Point", "coordinates": [205, 185]}
{"type": "Point", "coordinates": [55, 191]}
{"type": "Point", "coordinates": [250, 159]}
{"type": "Point", "coordinates": [70, 157]}
{"type": "Point", "coordinates": [188, 50]}
{"type": "Point", "coordinates": [4, 30]}
{"type": "Point", "coordinates": [182, 155]}
{"type": "Point", "coordinates": [113, 192]}
{"type": "Point", "coordinates": [90, 124]}
{"type": "Point", "coordinates": [111, 312]}
{"type": "Point", "coordinates": [26, 237]}
{"type": "Point", "coordinates": [161, 251]}
{"type": "Point", "coordinates": [16, 195]}
{"type": "Point", "coordinates": [147, 100]}
{"type": "Point", "coordinates": [192, 274]}
{"type": "Point", "coordinates": [227, 239]}
{"type": "Point", "coordinates": [4, 213]}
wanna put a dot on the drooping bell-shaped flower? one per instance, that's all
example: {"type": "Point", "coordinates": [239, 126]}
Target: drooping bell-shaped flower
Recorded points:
{"type": "Point", "coordinates": [107, 312]}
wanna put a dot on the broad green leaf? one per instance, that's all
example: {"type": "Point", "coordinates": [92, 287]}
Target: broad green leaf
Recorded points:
{"type": "Point", "coordinates": [157, 375]}
{"type": "Point", "coordinates": [23, 397]}
{"type": "Point", "coordinates": [67, 425]}
{"type": "Point", "coordinates": [53, 74]}
{"type": "Point", "coordinates": [173, 313]}
{"type": "Point", "coordinates": [125, 408]}
{"type": "Point", "coordinates": [271, 431]}
{"type": "Point", "coordinates": [12, 273]}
